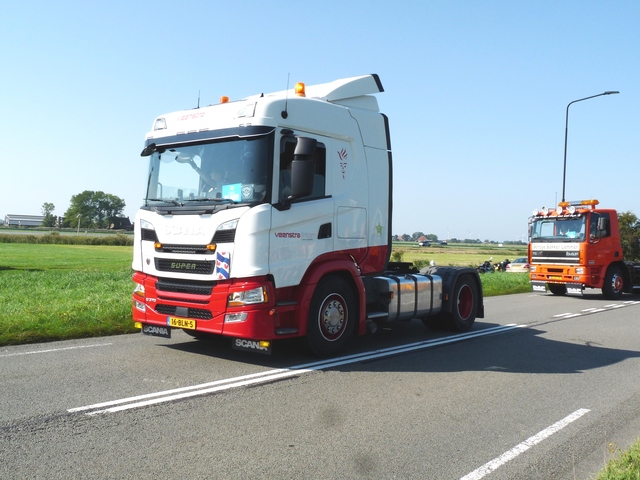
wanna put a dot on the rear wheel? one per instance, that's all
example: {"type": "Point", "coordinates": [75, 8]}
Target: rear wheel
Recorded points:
{"type": "Point", "coordinates": [558, 289]}
{"type": "Point", "coordinates": [332, 316]}
{"type": "Point", "coordinates": [613, 285]}
{"type": "Point", "coordinates": [465, 301]}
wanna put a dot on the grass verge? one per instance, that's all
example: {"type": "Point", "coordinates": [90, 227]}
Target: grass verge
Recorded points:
{"type": "Point", "coordinates": [625, 466]}
{"type": "Point", "coordinates": [58, 292]}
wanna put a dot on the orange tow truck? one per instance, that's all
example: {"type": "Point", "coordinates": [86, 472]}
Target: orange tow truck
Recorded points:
{"type": "Point", "coordinates": [577, 246]}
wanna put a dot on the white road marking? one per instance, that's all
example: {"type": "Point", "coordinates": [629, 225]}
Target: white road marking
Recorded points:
{"type": "Point", "coordinates": [33, 352]}
{"type": "Point", "coordinates": [589, 311]}
{"type": "Point", "coordinates": [276, 374]}
{"type": "Point", "coordinates": [524, 446]}
{"type": "Point", "coordinates": [567, 315]}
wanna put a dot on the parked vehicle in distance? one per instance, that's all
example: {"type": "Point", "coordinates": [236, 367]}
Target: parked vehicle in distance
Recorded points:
{"type": "Point", "coordinates": [425, 243]}
{"type": "Point", "coordinates": [520, 264]}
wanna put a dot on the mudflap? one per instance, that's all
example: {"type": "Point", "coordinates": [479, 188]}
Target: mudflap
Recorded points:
{"type": "Point", "coordinates": [539, 286]}
{"type": "Point", "coordinates": [156, 330]}
{"type": "Point", "coordinates": [575, 289]}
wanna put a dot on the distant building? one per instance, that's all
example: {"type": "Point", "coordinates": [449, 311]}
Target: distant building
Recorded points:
{"type": "Point", "coordinates": [13, 220]}
{"type": "Point", "coordinates": [120, 223]}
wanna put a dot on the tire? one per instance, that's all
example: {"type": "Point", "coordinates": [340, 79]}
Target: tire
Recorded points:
{"type": "Point", "coordinates": [557, 289]}
{"type": "Point", "coordinates": [465, 300]}
{"type": "Point", "coordinates": [332, 316]}
{"type": "Point", "coordinates": [613, 285]}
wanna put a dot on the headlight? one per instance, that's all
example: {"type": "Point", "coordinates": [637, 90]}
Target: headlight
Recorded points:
{"type": "Point", "coordinates": [580, 270]}
{"type": "Point", "coordinates": [532, 268]}
{"type": "Point", "coordinates": [146, 225]}
{"type": "Point", "coordinates": [138, 290]}
{"type": "Point", "coordinates": [248, 297]}
{"type": "Point", "coordinates": [230, 225]}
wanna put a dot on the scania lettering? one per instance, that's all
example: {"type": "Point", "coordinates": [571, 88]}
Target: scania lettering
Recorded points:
{"type": "Point", "coordinates": [156, 331]}
{"type": "Point", "coordinates": [577, 246]}
{"type": "Point", "coordinates": [249, 345]}
{"type": "Point", "coordinates": [270, 218]}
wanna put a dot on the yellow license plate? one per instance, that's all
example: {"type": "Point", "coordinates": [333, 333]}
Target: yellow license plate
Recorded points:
{"type": "Point", "coordinates": [555, 277]}
{"type": "Point", "coordinates": [181, 323]}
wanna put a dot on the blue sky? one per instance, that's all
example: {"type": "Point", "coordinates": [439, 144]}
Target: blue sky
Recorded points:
{"type": "Point", "coordinates": [475, 92]}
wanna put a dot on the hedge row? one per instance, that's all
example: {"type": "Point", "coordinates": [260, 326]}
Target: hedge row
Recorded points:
{"type": "Point", "coordinates": [55, 238]}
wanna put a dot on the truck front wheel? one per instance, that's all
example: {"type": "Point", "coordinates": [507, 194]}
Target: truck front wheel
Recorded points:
{"type": "Point", "coordinates": [613, 285]}
{"type": "Point", "coordinates": [332, 316]}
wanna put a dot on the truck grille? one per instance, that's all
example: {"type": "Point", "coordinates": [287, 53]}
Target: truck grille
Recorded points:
{"type": "Point", "coordinates": [198, 313]}
{"type": "Point", "coordinates": [148, 235]}
{"type": "Point", "coordinates": [198, 267]}
{"type": "Point", "coordinates": [184, 286]}
{"type": "Point", "coordinates": [224, 236]}
{"type": "Point", "coordinates": [185, 249]}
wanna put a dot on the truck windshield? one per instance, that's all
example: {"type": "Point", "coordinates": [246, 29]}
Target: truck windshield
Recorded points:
{"type": "Point", "coordinates": [558, 229]}
{"type": "Point", "coordinates": [229, 171]}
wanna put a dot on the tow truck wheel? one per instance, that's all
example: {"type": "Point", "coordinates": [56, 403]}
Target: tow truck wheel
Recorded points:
{"type": "Point", "coordinates": [558, 289]}
{"type": "Point", "coordinates": [332, 316]}
{"type": "Point", "coordinates": [613, 285]}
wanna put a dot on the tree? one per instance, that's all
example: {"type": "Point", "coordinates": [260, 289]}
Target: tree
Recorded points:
{"type": "Point", "coordinates": [49, 217]}
{"type": "Point", "coordinates": [93, 209]}
{"type": "Point", "coordinates": [629, 235]}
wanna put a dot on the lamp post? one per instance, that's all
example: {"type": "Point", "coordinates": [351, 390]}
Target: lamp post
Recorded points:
{"type": "Point", "coordinates": [566, 130]}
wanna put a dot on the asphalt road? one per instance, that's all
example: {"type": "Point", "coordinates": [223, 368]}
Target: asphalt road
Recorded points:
{"type": "Point", "coordinates": [543, 388]}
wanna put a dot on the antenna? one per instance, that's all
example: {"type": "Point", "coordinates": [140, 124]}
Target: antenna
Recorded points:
{"type": "Point", "coordinates": [284, 113]}
{"type": "Point", "coordinates": [198, 99]}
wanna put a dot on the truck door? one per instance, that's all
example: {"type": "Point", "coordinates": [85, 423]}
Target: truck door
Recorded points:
{"type": "Point", "coordinates": [301, 229]}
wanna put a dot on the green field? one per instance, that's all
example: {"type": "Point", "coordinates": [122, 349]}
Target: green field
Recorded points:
{"type": "Point", "coordinates": [461, 255]}
{"type": "Point", "coordinates": [56, 292]}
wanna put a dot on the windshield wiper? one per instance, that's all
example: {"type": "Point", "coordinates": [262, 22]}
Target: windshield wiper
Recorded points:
{"type": "Point", "coordinates": [210, 199]}
{"type": "Point", "coordinates": [165, 200]}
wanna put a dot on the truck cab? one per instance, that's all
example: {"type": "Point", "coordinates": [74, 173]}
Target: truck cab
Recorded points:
{"type": "Point", "coordinates": [577, 246]}
{"type": "Point", "coordinates": [270, 217]}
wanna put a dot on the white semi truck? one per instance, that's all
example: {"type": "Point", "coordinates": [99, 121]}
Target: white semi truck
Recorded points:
{"type": "Point", "coordinates": [270, 218]}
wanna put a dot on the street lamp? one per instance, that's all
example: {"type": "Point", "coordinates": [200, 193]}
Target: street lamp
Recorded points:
{"type": "Point", "coordinates": [566, 129]}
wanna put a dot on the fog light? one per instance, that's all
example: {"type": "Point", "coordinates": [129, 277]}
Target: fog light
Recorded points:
{"type": "Point", "coordinates": [139, 306]}
{"type": "Point", "coordinates": [580, 270]}
{"type": "Point", "coordinates": [137, 324]}
{"type": "Point", "coordinates": [235, 317]}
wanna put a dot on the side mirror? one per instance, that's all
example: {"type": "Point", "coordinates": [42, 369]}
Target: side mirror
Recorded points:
{"type": "Point", "coordinates": [303, 167]}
